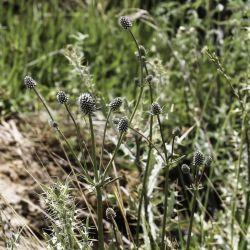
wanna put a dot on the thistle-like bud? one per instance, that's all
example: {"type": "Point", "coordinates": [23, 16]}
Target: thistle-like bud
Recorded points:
{"type": "Point", "coordinates": [185, 169]}
{"type": "Point", "coordinates": [115, 104]}
{"type": "Point", "coordinates": [208, 161]}
{"type": "Point", "coordinates": [87, 103]}
{"type": "Point", "coordinates": [125, 22]}
{"type": "Point", "coordinates": [62, 97]}
{"type": "Point", "coordinates": [198, 158]}
{"type": "Point", "coordinates": [156, 109]}
{"type": "Point", "coordinates": [110, 213]}
{"type": "Point", "coordinates": [149, 78]}
{"type": "Point", "coordinates": [176, 132]}
{"type": "Point", "coordinates": [122, 126]}
{"type": "Point", "coordinates": [29, 82]}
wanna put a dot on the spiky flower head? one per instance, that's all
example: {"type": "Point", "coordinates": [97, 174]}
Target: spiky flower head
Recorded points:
{"type": "Point", "coordinates": [115, 104]}
{"type": "Point", "coordinates": [29, 82]}
{"type": "Point", "coordinates": [208, 161]}
{"type": "Point", "coordinates": [87, 103]}
{"type": "Point", "coordinates": [176, 132]}
{"type": "Point", "coordinates": [122, 126]}
{"type": "Point", "coordinates": [156, 109]}
{"type": "Point", "coordinates": [198, 158]}
{"type": "Point", "coordinates": [62, 97]}
{"type": "Point", "coordinates": [110, 213]}
{"type": "Point", "coordinates": [125, 22]}
{"type": "Point", "coordinates": [185, 169]}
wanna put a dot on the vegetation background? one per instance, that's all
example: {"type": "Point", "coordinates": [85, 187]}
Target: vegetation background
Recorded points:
{"type": "Point", "coordinates": [195, 92]}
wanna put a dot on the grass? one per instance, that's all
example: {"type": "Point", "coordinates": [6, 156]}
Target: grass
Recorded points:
{"type": "Point", "coordinates": [198, 55]}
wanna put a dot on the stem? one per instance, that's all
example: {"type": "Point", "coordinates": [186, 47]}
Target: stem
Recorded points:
{"type": "Point", "coordinates": [145, 177]}
{"type": "Point", "coordinates": [196, 171]}
{"type": "Point", "coordinates": [141, 77]}
{"type": "Point", "coordinates": [98, 189]}
{"type": "Point", "coordinates": [149, 142]}
{"type": "Point", "coordinates": [112, 158]}
{"type": "Point", "coordinates": [93, 148]}
{"type": "Point", "coordinates": [166, 187]}
{"type": "Point", "coordinates": [100, 218]}
{"type": "Point", "coordinates": [44, 103]}
{"type": "Point", "coordinates": [114, 230]}
{"type": "Point", "coordinates": [103, 138]}
{"type": "Point", "coordinates": [78, 134]}
{"type": "Point", "coordinates": [192, 218]}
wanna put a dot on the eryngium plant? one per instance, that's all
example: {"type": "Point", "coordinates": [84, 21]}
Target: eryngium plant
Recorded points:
{"type": "Point", "coordinates": [62, 210]}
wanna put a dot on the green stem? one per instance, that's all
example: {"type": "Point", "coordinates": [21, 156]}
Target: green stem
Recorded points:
{"type": "Point", "coordinates": [78, 134]}
{"type": "Point", "coordinates": [98, 189]}
{"type": "Point", "coordinates": [191, 218]}
{"type": "Point", "coordinates": [103, 138]}
{"type": "Point", "coordinates": [145, 177]}
{"type": "Point", "coordinates": [112, 158]}
{"type": "Point", "coordinates": [100, 218]}
{"type": "Point", "coordinates": [93, 148]}
{"type": "Point", "coordinates": [166, 187]}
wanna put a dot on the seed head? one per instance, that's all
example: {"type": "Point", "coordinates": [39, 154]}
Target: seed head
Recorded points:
{"type": "Point", "coordinates": [208, 161]}
{"type": "Point", "coordinates": [156, 109]}
{"type": "Point", "coordinates": [176, 132]}
{"type": "Point", "coordinates": [198, 158]}
{"type": "Point", "coordinates": [87, 103]}
{"type": "Point", "coordinates": [125, 22]}
{"type": "Point", "coordinates": [110, 213]}
{"type": "Point", "coordinates": [185, 169]}
{"type": "Point", "coordinates": [122, 126]}
{"type": "Point", "coordinates": [29, 82]}
{"type": "Point", "coordinates": [115, 104]}
{"type": "Point", "coordinates": [62, 97]}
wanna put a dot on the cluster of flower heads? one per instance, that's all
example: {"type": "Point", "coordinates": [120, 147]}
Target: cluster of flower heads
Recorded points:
{"type": "Point", "coordinates": [199, 160]}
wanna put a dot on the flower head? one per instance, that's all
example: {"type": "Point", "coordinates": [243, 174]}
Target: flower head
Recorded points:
{"type": "Point", "coordinates": [87, 103]}
{"type": "Point", "coordinates": [198, 158]}
{"type": "Point", "coordinates": [62, 97]}
{"type": "Point", "coordinates": [29, 82]}
{"type": "Point", "coordinates": [122, 125]}
{"type": "Point", "coordinates": [110, 213]}
{"type": "Point", "coordinates": [115, 104]}
{"type": "Point", "coordinates": [125, 22]}
{"type": "Point", "coordinates": [156, 109]}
